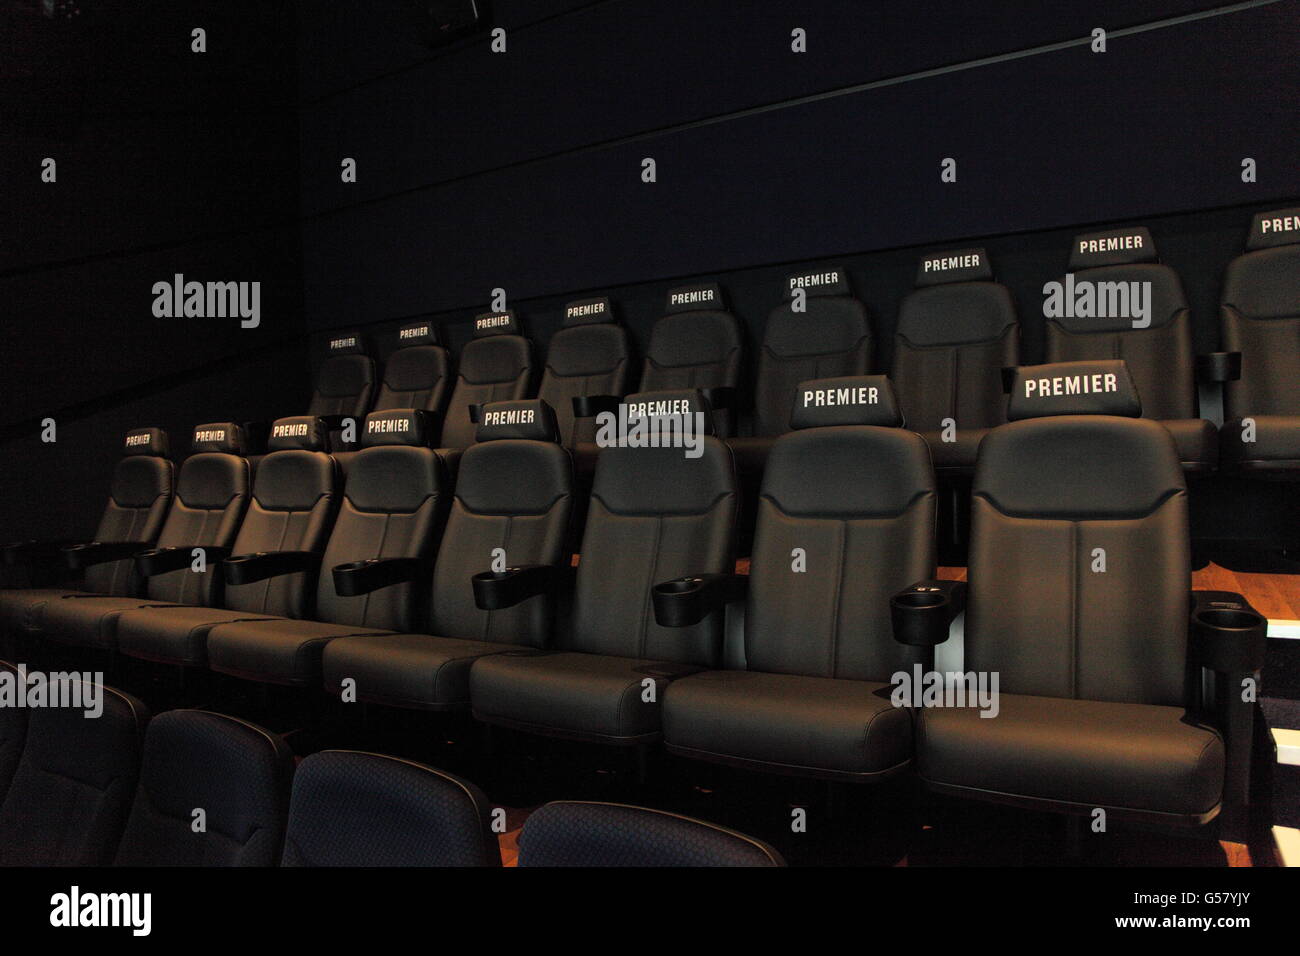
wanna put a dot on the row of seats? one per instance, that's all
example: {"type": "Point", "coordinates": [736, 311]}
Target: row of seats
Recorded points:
{"type": "Point", "coordinates": [198, 788]}
{"type": "Point", "coordinates": [955, 334]}
{"type": "Point", "coordinates": [787, 669]}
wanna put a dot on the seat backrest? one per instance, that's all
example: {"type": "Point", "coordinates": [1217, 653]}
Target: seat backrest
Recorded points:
{"type": "Point", "coordinates": [235, 772]}
{"type": "Point", "coordinates": [346, 381]}
{"type": "Point", "coordinates": [589, 355]}
{"type": "Point", "coordinates": [295, 496]}
{"type": "Point", "coordinates": [955, 334]}
{"type": "Point", "coordinates": [13, 732]}
{"type": "Point", "coordinates": [418, 374]}
{"type": "Point", "coordinates": [831, 338]}
{"type": "Point", "coordinates": [846, 519]}
{"type": "Point", "coordinates": [1261, 318]}
{"type": "Point", "coordinates": [495, 366]}
{"type": "Point", "coordinates": [137, 506]}
{"type": "Point", "coordinates": [655, 514]}
{"type": "Point", "coordinates": [211, 495]}
{"type": "Point", "coordinates": [514, 492]}
{"type": "Point", "coordinates": [393, 507]}
{"type": "Point", "coordinates": [72, 789]}
{"type": "Point", "coordinates": [696, 344]}
{"type": "Point", "coordinates": [1089, 318]}
{"type": "Point", "coordinates": [361, 809]}
{"type": "Point", "coordinates": [1079, 555]}
{"type": "Point", "coordinates": [581, 833]}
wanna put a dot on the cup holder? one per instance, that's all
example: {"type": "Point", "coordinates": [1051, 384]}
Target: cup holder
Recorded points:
{"type": "Point", "coordinates": [354, 565]}
{"type": "Point", "coordinates": [679, 586]}
{"type": "Point", "coordinates": [921, 599]}
{"type": "Point", "coordinates": [1227, 619]}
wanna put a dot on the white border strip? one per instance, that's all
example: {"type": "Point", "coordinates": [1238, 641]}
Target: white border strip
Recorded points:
{"type": "Point", "coordinates": [1288, 746]}
{"type": "Point", "coordinates": [1287, 841]}
{"type": "Point", "coordinates": [1289, 629]}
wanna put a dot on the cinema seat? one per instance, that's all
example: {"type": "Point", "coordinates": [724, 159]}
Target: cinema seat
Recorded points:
{"type": "Point", "coordinates": [72, 789]}
{"type": "Point", "coordinates": [852, 496]}
{"type": "Point", "coordinates": [586, 369]}
{"type": "Point", "coordinates": [495, 366]}
{"type": "Point", "coordinates": [655, 514]}
{"type": "Point", "coordinates": [1160, 358]}
{"type": "Point", "coordinates": [362, 809]}
{"type": "Point", "coordinates": [831, 338]}
{"type": "Point", "coordinates": [235, 773]}
{"type": "Point", "coordinates": [513, 493]}
{"type": "Point", "coordinates": [1261, 320]}
{"type": "Point", "coordinates": [386, 531]}
{"type": "Point", "coordinates": [138, 499]}
{"type": "Point", "coordinates": [697, 344]}
{"type": "Point", "coordinates": [956, 332]}
{"type": "Point", "coordinates": [345, 383]}
{"type": "Point", "coordinates": [1080, 603]}
{"type": "Point", "coordinates": [13, 733]}
{"type": "Point", "coordinates": [211, 495]}
{"type": "Point", "coordinates": [295, 498]}
{"type": "Point", "coordinates": [577, 833]}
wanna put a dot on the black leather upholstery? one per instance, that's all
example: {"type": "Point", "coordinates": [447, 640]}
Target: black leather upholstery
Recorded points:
{"type": "Point", "coordinates": [346, 381]}
{"type": "Point", "coordinates": [418, 374]}
{"type": "Point", "coordinates": [360, 809]}
{"type": "Point", "coordinates": [574, 833]}
{"type": "Point", "coordinates": [589, 356]}
{"type": "Point", "coordinates": [1260, 314]}
{"type": "Point", "coordinates": [495, 366]}
{"type": "Point", "coordinates": [236, 773]}
{"type": "Point", "coordinates": [13, 734]}
{"type": "Point", "coordinates": [72, 789]}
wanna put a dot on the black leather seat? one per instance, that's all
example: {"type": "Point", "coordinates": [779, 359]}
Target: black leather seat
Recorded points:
{"type": "Point", "coordinates": [138, 500]}
{"type": "Point", "coordinates": [1160, 357]}
{"type": "Point", "coordinates": [418, 374]}
{"type": "Point", "coordinates": [655, 514]}
{"type": "Point", "coordinates": [955, 334]}
{"type": "Point", "coordinates": [588, 358]}
{"type": "Point", "coordinates": [345, 384]}
{"type": "Point", "coordinates": [512, 500]}
{"type": "Point", "coordinates": [387, 528]}
{"type": "Point", "coordinates": [852, 496]}
{"type": "Point", "coordinates": [13, 732]}
{"type": "Point", "coordinates": [73, 785]}
{"type": "Point", "coordinates": [295, 498]}
{"type": "Point", "coordinates": [1261, 320]}
{"type": "Point", "coordinates": [235, 773]}
{"type": "Point", "coordinates": [495, 366]}
{"type": "Point", "coordinates": [578, 833]}
{"type": "Point", "coordinates": [1079, 602]}
{"type": "Point", "coordinates": [206, 511]}
{"type": "Point", "coordinates": [362, 809]}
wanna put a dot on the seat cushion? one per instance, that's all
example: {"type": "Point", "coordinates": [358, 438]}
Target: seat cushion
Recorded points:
{"type": "Point", "coordinates": [790, 723]}
{"type": "Point", "coordinates": [1140, 757]}
{"type": "Point", "coordinates": [1276, 446]}
{"type": "Point", "coordinates": [586, 696]}
{"type": "Point", "coordinates": [174, 633]}
{"type": "Point", "coordinates": [82, 619]}
{"type": "Point", "coordinates": [960, 453]}
{"type": "Point", "coordinates": [19, 606]}
{"type": "Point", "coordinates": [407, 670]}
{"type": "Point", "coordinates": [1197, 441]}
{"type": "Point", "coordinates": [276, 651]}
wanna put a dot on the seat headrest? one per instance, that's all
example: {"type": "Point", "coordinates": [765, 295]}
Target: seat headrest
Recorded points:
{"type": "Point", "coordinates": [417, 333]}
{"type": "Point", "coordinates": [832, 280]}
{"type": "Point", "coordinates": [298, 432]}
{"type": "Point", "coordinates": [961, 265]}
{"type": "Point", "coordinates": [849, 400]}
{"type": "Point", "coordinates": [670, 403]}
{"type": "Point", "coordinates": [1115, 247]}
{"type": "Point", "coordinates": [496, 323]}
{"type": "Point", "coordinates": [1101, 387]}
{"type": "Point", "coordinates": [346, 342]}
{"type": "Point", "coordinates": [225, 438]}
{"type": "Point", "coordinates": [1278, 228]}
{"type": "Point", "coordinates": [396, 426]}
{"type": "Point", "coordinates": [529, 418]}
{"type": "Point", "coordinates": [588, 311]}
{"type": "Point", "coordinates": [146, 441]}
{"type": "Point", "coordinates": [691, 298]}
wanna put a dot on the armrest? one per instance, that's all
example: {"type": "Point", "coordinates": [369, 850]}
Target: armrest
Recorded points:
{"type": "Point", "coordinates": [80, 556]}
{"type": "Point", "coordinates": [27, 552]}
{"type": "Point", "coordinates": [1226, 634]}
{"type": "Point", "coordinates": [362, 577]}
{"type": "Point", "coordinates": [495, 590]}
{"type": "Point", "coordinates": [260, 565]}
{"type": "Point", "coordinates": [157, 561]}
{"type": "Point", "coordinates": [1218, 366]}
{"type": "Point", "coordinates": [922, 613]}
{"type": "Point", "coordinates": [686, 601]}
{"type": "Point", "coordinates": [589, 406]}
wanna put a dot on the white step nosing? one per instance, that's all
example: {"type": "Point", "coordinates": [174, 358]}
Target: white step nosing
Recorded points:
{"type": "Point", "coordinates": [1284, 628]}
{"type": "Point", "coordinates": [1288, 746]}
{"type": "Point", "coordinates": [1287, 842]}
